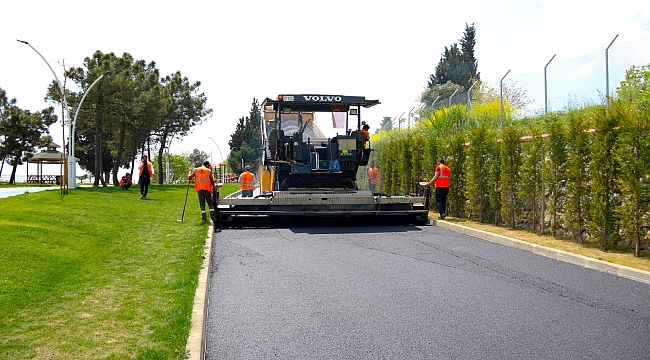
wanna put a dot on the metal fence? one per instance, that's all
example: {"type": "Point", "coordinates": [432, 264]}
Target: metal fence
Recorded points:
{"type": "Point", "coordinates": [564, 81]}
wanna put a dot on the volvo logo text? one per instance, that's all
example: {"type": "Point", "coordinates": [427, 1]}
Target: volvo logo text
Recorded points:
{"type": "Point", "coordinates": [321, 98]}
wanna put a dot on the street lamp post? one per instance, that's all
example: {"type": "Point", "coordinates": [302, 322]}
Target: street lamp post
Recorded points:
{"type": "Point", "coordinates": [65, 103]}
{"type": "Point", "coordinates": [72, 161]}
{"type": "Point", "coordinates": [222, 159]}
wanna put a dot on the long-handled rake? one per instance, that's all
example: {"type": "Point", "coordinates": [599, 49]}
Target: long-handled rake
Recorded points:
{"type": "Point", "coordinates": [185, 204]}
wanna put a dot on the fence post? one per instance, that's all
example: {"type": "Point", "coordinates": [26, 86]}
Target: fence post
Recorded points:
{"type": "Point", "coordinates": [607, 70]}
{"type": "Point", "coordinates": [545, 89]}
{"type": "Point", "coordinates": [501, 96]}
{"type": "Point", "coordinates": [469, 102]}
{"type": "Point", "coordinates": [452, 95]}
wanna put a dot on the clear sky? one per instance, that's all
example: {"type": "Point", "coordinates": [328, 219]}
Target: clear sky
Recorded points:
{"type": "Point", "coordinates": [258, 48]}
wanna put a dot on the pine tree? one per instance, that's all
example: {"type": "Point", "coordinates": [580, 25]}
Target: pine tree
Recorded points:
{"type": "Point", "coordinates": [456, 160]}
{"type": "Point", "coordinates": [510, 167]}
{"type": "Point", "coordinates": [531, 172]}
{"type": "Point", "coordinates": [554, 168]}
{"type": "Point", "coordinates": [478, 155]}
{"type": "Point", "coordinates": [633, 153]}
{"type": "Point", "coordinates": [458, 63]}
{"type": "Point", "coordinates": [577, 172]}
{"type": "Point", "coordinates": [494, 177]}
{"type": "Point", "coordinates": [467, 44]}
{"type": "Point", "coordinates": [604, 170]}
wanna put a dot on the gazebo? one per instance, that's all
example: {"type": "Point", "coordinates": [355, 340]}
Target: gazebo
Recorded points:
{"type": "Point", "coordinates": [49, 156]}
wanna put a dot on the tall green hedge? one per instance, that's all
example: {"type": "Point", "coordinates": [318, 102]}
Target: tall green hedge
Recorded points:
{"type": "Point", "coordinates": [596, 168]}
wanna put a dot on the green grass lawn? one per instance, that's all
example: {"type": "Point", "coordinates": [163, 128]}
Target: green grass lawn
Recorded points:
{"type": "Point", "coordinates": [99, 273]}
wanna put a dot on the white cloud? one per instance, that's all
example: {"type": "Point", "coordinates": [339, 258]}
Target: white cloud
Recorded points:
{"type": "Point", "coordinates": [586, 69]}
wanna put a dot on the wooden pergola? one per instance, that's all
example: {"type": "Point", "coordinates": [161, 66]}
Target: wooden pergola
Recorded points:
{"type": "Point", "coordinates": [49, 156]}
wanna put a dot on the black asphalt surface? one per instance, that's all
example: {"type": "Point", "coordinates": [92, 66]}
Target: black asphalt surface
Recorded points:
{"type": "Point", "coordinates": [405, 292]}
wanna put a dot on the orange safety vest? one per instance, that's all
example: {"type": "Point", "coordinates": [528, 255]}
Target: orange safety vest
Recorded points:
{"type": "Point", "coordinates": [366, 137]}
{"type": "Point", "coordinates": [202, 178]}
{"type": "Point", "coordinates": [149, 168]}
{"type": "Point", "coordinates": [443, 180]}
{"type": "Point", "coordinates": [125, 180]}
{"type": "Point", "coordinates": [373, 175]}
{"type": "Point", "coordinates": [247, 181]}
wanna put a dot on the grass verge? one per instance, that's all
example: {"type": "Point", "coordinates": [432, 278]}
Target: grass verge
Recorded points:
{"type": "Point", "coordinates": [590, 249]}
{"type": "Point", "coordinates": [99, 273]}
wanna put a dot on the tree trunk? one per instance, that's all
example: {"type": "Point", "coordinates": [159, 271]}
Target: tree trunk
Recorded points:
{"type": "Point", "coordinates": [98, 141]}
{"type": "Point", "coordinates": [582, 241]}
{"type": "Point", "coordinates": [2, 165]}
{"type": "Point", "coordinates": [534, 212]}
{"type": "Point", "coordinates": [163, 142]}
{"type": "Point", "coordinates": [12, 179]}
{"type": "Point", "coordinates": [120, 151]}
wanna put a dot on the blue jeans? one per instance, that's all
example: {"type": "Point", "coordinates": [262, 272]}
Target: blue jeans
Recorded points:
{"type": "Point", "coordinates": [247, 193]}
{"type": "Point", "coordinates": [441, 199]}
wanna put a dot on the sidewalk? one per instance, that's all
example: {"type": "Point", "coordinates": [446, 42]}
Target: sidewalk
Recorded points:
{"type": "Point", "coordinates": [561, 255]}
{"type": "Point", "coordinates": [18, 191]}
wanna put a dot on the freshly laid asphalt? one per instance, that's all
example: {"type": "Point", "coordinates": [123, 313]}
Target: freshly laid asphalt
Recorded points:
{"type": "Point", "coordinates": [407, 292]}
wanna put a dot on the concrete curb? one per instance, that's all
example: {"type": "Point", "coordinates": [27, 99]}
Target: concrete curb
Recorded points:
{"type": "Point", "coordinates": [587, 262]}
{"type": "Point", "coordinates": [195, 348]}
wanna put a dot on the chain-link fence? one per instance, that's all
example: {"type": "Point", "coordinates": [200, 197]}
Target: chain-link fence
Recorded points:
{"type": "Point", "coordinates": [570, 80]}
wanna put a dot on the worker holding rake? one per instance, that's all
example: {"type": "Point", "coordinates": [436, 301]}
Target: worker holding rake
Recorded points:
{"type": "Point", "coordinates": [204, 186]}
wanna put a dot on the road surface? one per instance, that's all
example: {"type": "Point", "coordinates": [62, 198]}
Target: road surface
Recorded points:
{"type": "Point", "coordinates": [412, 293]}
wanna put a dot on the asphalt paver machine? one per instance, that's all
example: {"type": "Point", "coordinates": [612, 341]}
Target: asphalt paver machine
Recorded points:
{"type": "Point", "coordinates": [306, 178]}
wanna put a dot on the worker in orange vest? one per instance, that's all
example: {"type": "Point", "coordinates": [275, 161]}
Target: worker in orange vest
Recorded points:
{"type": "Point", "coordinates": [126, 182]}
{"type": "Point", "coordinates": [366, 134]}
{"type": "Point", "coordinates": [373, 176]}
{"type": "Point", "coordinates": [247, 182]}
{"type": "Point", "coordinates": [146, 172]}
{"type": "Point", "coordinates": [441, 181]}
{"type": "Point", "coordinates": [204, 186]}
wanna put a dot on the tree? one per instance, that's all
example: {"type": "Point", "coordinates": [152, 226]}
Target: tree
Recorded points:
{"type": "Point", "coordinates": [604, 169]}
{"type": "Point", "coordinates": [555, 172]}
{"type": "Point", "coordinates": [243, 155]}
{"type": "Point", "coordinates": [246, 141]}
{"type": "Point", "coordinates": [253, 132]}
{"type": "Point", "coordinates": [457, 161]}
{"type": "Point", "coordinates": [633, 152]}
{"type": "Point", "coordinates": [438, 93]}
{"type": "Point", "coordinates": [386, 124]}
{"type": "Point", "coordinates": [577, 175]}
{"type": "Point", "coordinates": [4, 105]}
{"type": "Point", "coordinates": [23, 132]}
{"type": "Point", "coordinates": [178, 168]}
{"type": "Point", "coordinates": [121, 109]}
{"type": "Point", "coordinates": [531, 172]}
{"type": "Point", "coordinates": [478, 154]}
{"type": "Point", "coordinates": [513, 95]}
{"type": "Point", "coordinates": [186, 108]}
{"type": "Point", "coordinates": [458, 64]}
{"type": "Point", "coordinates": [510, 169]}
{"type": "Point", "coordinates": [196, 157]}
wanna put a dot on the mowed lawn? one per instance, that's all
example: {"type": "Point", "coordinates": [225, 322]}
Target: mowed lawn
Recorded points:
{"type": "Point", "coordinates": [99, 273]}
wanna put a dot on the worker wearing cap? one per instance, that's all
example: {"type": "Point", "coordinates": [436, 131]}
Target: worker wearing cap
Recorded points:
{"type": "Point", "coordinates": [247, 182]}
{"type": "Point", "coordinates": [204, 186]}
{"type": "Point", "coordinates": [366, 134]}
